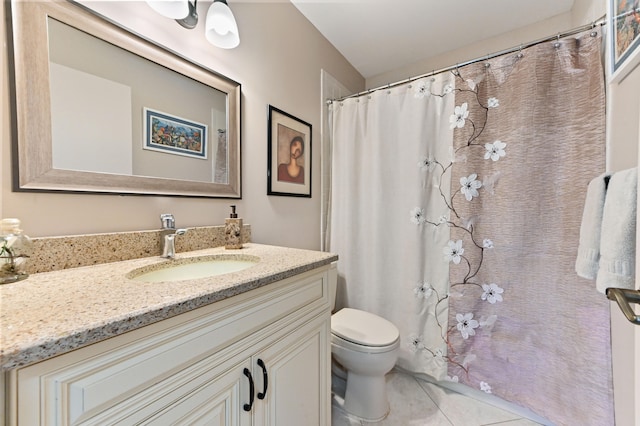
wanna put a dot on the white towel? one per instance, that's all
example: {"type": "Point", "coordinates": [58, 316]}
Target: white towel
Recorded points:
{"type": "Point", "coordinates": [590, 228]}
{"type": "Point", "coordinates": [618, 237]}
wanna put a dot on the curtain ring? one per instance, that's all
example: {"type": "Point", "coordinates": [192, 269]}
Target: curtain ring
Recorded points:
{"type": "Point", "coordinates": [557, 43]}
{"type": "Point", "coordinates": [593, 29]}
{"type": "Point", "coordinates": [520, 54]}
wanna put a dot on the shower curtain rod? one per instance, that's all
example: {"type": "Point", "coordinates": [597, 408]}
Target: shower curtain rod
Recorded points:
{"type": "Point", "coordinates": [601, 22]}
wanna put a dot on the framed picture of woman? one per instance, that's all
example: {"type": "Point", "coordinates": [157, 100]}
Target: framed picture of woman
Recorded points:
{"type": "Point", "coordinates": [289, 155]}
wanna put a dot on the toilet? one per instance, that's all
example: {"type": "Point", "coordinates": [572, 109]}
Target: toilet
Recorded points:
{"type": "Point", "coordinates": [366, 347]}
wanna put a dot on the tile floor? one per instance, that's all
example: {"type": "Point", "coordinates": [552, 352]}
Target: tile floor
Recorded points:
{"type": "Point", "coordinates": [415, 402]}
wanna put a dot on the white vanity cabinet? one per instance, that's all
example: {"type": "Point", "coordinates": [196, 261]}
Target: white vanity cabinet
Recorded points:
{"type": "Point", "coordinates": [259, 358]}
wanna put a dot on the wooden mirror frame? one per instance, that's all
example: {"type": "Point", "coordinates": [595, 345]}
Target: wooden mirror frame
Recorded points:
{"type": "Point", "coordinates": [32, 132]}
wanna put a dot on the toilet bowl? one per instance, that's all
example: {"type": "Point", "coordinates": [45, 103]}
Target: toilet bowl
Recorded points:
{"type": "Point", "coordinates": [366, 347]}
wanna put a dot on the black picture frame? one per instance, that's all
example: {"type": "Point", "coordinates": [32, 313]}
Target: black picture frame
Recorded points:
{"type": "Point", "coordinates": [288, 155]}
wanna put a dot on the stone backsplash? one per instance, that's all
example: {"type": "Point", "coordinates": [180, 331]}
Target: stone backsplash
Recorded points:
{"type": "Point", "coordinates": [57, 253]}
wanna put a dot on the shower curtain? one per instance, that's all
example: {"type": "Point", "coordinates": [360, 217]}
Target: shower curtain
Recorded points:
{"type": "Point", "coordinates": [382, 192]}
{"type": "Point", "coordinates": [464, 230]}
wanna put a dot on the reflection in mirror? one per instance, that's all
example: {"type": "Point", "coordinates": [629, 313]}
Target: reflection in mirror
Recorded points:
{"type": "Point", "coordinates": [101, 90]}
{"type": "Point", "coordinates": [122, 115]}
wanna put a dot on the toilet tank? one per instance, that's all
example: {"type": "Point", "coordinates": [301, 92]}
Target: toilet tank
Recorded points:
{"type": "Point", "coordinates": [333, 284]}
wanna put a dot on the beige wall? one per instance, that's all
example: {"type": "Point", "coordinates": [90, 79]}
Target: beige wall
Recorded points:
{"type": "Point", "coordinates": [278, 62]}
{"type": "Point", "coordinates": [623, 113]}
{"type": "Point", "coordinates": [273, 67]}
{"type": "Point", "coordinates": [583, 12]}
{"type": "Point", "coordinates": [475, 50]}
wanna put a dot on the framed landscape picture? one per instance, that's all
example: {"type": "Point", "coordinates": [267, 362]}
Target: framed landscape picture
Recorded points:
{"type": "Point", "coordinates": [174, 135]}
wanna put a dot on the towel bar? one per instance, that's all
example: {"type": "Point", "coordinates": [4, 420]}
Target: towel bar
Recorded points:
{"type": "Point", "coordinates": [624, 298]}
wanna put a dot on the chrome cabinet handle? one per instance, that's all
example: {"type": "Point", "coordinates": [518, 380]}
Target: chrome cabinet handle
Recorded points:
{"type": "Point", "coordinates": [624, 298]}
{"type": "Point", "coordinates": [265, 378]}
{"type": "Point", "coordinates": [247, 407]}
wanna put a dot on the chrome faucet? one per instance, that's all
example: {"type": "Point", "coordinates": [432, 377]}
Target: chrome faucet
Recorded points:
{"type": "Point", "coordinates": [168, 234]}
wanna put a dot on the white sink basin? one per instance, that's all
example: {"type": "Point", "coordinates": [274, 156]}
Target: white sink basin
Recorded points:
{"type": "Point", "coordinates": [193, 268]}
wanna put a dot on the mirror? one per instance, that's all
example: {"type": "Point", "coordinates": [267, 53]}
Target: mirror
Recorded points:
{"type": "Point", "coordinates": [101, 110]}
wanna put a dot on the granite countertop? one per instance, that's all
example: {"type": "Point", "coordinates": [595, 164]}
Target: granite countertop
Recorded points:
{"type": "Point", "coordinates": [51, 313]}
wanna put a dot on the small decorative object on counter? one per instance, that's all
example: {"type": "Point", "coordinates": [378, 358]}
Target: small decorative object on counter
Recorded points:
{"type": "Point", "coordinates": [15, 248]}
{"type": "Point", "coordinates": [233, 231]}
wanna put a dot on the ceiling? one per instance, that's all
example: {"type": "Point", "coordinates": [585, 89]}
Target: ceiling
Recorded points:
{"type": "Point", "coordinates": [377, 36]}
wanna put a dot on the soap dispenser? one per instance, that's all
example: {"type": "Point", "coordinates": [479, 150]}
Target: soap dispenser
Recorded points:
{"type": "Point", "coordinates": [233, 231]}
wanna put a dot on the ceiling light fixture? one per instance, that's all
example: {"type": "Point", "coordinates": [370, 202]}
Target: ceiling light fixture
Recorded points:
{"type": "Point", "coordinates": [191, 20]}
{"type": "Point", "coordinates": [221, 28]}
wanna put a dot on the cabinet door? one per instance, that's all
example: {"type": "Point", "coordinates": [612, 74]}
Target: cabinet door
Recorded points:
{"type": "Point", "coordinates": [209, 392]}
{"type": "Point", "coordinates": [297, 378]}
{"type": "Point", "coordinates": [220, 401]}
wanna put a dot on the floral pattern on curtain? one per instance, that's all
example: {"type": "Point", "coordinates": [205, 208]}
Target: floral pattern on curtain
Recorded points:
{"type": "Point", "coordinates": [389, 263]}
{"type": "Point", "coordinates": [460, 224]}
{"type": "Point", "coordinates": [529, 134]}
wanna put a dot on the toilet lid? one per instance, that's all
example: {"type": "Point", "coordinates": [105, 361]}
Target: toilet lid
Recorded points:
{"type": "Point", "coordinates": [363, 328]}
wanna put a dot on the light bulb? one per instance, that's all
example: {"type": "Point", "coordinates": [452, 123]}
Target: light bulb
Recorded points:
{"type": "Point", "coordinates": [221, 28]}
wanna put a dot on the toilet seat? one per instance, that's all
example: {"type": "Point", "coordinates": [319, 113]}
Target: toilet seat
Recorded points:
{"type": "Point", "coordinates": [356, 329]}
{"type": "Point", "coordinates": [337, 341]}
